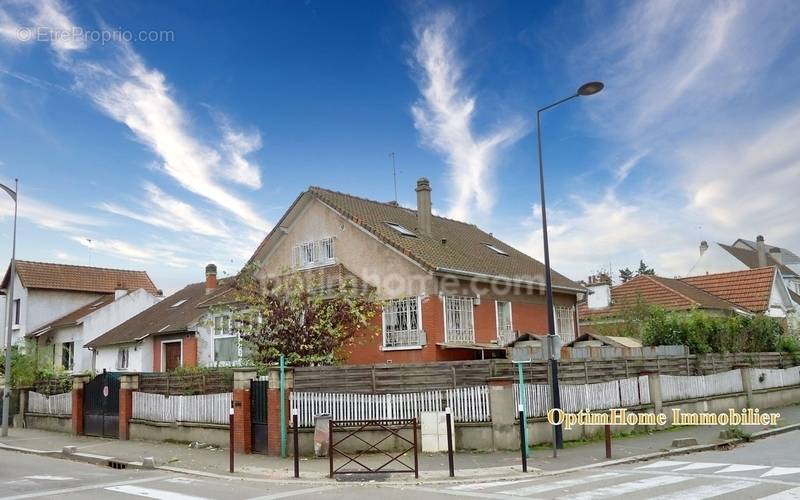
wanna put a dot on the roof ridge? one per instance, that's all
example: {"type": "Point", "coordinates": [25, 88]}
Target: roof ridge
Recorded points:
{"type": "Point", "coordinates": [701, 290]}
{"type": "Point", "coordinates": [663, 285]}
{"type": "Point", "coordinates": [742, 271]}
{"type": "Point", "coordinates": [82, 267]}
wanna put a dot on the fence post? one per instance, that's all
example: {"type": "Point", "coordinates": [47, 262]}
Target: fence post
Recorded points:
{"type": "Point", "coordinates": [523, 446]}
{"type": "Point", "coordinates": [19, 419]}
{"type": "Point", "coordinates": [240, 399]}
{"type": "Point", "coordinates": [654, 384]}
{"type": "Point", "coordinates": [745, 372]}
{"type": "Point", "coordinates": [607, 432]}
{"type": "Point", "coordinates": [78, 382]}
{"type": "Point", "coordinates": [128, 383]}
{"type": "Point", "coordinates": [449, 420]}
{"type": "Point", "coordinates": [296, 439]}
{"type": "Point", "coordinates": [502, 410]}
{"type": "Point", "coordinates": [231, 435]}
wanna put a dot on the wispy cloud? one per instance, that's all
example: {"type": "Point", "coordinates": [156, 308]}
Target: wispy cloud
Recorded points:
{"type": "Point", "coordinates": [46, 215]}
{"type": "Point", "coordinates": [445, 116]}
{"type": "Point", "coordinates": [132, 252]}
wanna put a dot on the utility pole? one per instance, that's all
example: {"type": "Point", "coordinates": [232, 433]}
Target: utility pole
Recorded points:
{"type": "Point", "coordinates": [394, 176]}
{"type": "Point", "coordinates": [9, 310]}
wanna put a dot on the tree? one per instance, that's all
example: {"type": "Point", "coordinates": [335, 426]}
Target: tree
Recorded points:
{"type": "Point", "coordinates": [300, 318]}
{"type": "Point", "coordinates": [625, 275]}
{"type": "Point", "coordinates": [644, 270]}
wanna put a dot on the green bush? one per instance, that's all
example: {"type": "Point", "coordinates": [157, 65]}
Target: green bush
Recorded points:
{"type": "Point", "coordinates": [704, 333]}
{"type": "Point", "coordinates": [789, 344]}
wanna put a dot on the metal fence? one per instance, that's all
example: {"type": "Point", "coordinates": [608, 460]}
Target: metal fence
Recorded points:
{"type": "Point", "coordinates": [57, 404]}
{"type": "Point", "coordinates": [469, 404]}
{"type": "Point", "coordinates": [205, 409]}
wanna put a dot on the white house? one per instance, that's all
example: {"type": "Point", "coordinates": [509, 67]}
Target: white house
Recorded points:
{"type": "Point", "coordinates": [60, 307]}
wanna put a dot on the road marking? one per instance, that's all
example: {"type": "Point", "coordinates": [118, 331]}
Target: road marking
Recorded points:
{"type": "Point", "coordinates": [483, 486]}
{"type": "Point", "coordinates": [701, 465]}
{"type": "Point", "coordinates": [462, 493]}
{"type": "Point", "coordinates": [138, 491]}
{"type": "Point", "coordinates": [706, 491]}
{"type": "Point", "coordinates": [792, 494]}
{"type": "Point", "coordinates": [51, 478]}
{"type": "Point", "coordinates": [183, 480]}
{"type": "Point", "coordinates": [77, 489]}
{"type": "Point", "coordinates": [618, 490]}
{"type": "Point", "coordinates": [557, 485]}
{"type": "Point", "coordinates": [781, 471]}
{"type": "Point", "coordinates": [741, 468]}
{"type": "Point", "coordinates": [662, 463]}
{"type": "Point", "coordinates": [287, 494]}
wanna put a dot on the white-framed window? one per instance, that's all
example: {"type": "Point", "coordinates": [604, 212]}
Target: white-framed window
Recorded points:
{"type": "Point", "coordinates": [227, 348]}
{"type": "Point", "coordinates": [67, 355]}
{"type": "Point", "coordinates": [565, 323]}
{"type": "Point", "coordinates": [459, 324]}
{"type": "Point", "coordinates": [17, 311]}
{"type": "Point", "coordinates": [123, 358]}
{"type": "Point", "coordinates": [315, 253]}
{"type": "Point", "coordinates": [402, 323]}
{"type": "Point", "coordinates": [505, 327]}
{"type": "Point", "coordinates": [401, 229]}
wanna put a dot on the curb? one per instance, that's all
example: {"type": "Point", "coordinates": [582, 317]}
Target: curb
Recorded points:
{"type": "Point", "coordinates": [509, 472]}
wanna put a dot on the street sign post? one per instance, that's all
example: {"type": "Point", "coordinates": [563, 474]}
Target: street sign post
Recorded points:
{"type": "Point", "coordinates": [519, 356]}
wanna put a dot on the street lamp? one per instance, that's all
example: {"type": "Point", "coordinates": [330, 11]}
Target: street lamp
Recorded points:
{"type": "Point", "coordinates": [586, 89]}
{"type": "Point", "coordinates": [9, 301]}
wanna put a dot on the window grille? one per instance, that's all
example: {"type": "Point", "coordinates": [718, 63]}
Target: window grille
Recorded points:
{"type": "Point", "coordinates": [565, 323]}
{"type": "Point", "coordinates": [459, 327]}
{"type": "Point", "coordinates": [401, 323]}
{"type": "Point", "coordinates": [505, 330]}
{"type": "Point", "coordinates": [315, 253]}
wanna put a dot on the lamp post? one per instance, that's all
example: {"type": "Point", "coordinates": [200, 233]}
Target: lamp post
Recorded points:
{"type": "Point", "coordinates": [9, 303]}
{"type": "Point", "coordinates": [586, 89]}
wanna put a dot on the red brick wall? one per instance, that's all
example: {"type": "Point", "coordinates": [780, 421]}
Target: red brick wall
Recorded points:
{"type": "Point", "coordinates": [274, 415]}
{"type": "Point", "coordinates": [242, 440]}
{"type": "Point", "coordinates": [77, 412]}
{"type": "Point", "coordinates": [125, 412]}
{"type": "Point", "coordinates": [188, 350]}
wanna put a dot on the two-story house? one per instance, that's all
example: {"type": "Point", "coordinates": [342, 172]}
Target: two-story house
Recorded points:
{"type": "Point", "coordinates": [60, 307]}
{"type": "Point", "coordinates": [450, 291]}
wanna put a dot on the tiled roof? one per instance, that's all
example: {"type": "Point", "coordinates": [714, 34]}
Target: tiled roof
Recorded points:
{"type": "Point", "coordinates": [72, 318]}
{"type": "Point", "coordinates": [331, 277]}
{"type": "Point", "coordinates": [788, 256]}
{"type": "Point", "coordinates": [452, 245]}
{"type": "Point", "coordinates": [173, 314]}
{"type": "Point", "coordinates": [50, 276]}
{"type": "Point", "coordinates": [668, 293]}
{"type": "Point", "coordinates": [750, 259]}
{"type": "Point", "coordinates": [749, 289]}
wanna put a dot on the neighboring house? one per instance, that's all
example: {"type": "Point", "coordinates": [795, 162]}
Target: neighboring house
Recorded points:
{"type": "Point", "coordinates": [55, 301]}
{"type": "Point", "coordinates": [752, 291]}
{"type": "Point", "coordinates": [450, 291]}
{"type": "Point", "coordinates": [590, 339]}
{"type": "Point", "coordinates": [179, 331]}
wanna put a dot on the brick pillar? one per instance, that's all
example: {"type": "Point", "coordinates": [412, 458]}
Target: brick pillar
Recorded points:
{"type": "Point", "coordinates": [242, 440]}
{"type": "Point", "coordinates": [503, 411]}
{"type": "Point", "coordinates": [77, 403]}
{"type": "Point", "coordinates": [274, 408]}
{"type": "Point", "coordinates": [128, 383]}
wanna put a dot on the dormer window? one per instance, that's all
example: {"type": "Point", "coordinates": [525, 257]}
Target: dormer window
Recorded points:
{"type": "Point", "coordinates": [496, 250]}
{"type": "Point", "coordinates": [401, 229]}
{"type": "Point", "coordinates": [315, 253]}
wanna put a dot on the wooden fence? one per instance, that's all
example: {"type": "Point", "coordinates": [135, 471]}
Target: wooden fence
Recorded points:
{"type": "Point", "coordinates": [186, 384]}
{"type": "Point", "coordinates": [468, 404]}
{"type": "Point", "coordinates": [57, 404]}
{"type": "Point", "coordinates": [417, 377]}
{"type": "Point", "coordinates": [207, 408]}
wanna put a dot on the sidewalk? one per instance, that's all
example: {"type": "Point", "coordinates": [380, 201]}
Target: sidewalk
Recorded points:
{"type": "Point", "coordinates": [181, 457]}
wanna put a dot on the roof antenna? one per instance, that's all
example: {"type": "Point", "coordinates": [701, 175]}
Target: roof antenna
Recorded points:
{"type": "Point", "coordinates": [89, 246]}
{"type": "Point", "coordinates": [394, 176]}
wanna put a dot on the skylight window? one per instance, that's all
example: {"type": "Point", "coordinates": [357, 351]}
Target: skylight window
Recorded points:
{"type": "Point", "coordinates": [178, 304]}
{"type": "Point", "coordinates": [496, 250]}
{"type": "Point", "coordinates": [401, 229]}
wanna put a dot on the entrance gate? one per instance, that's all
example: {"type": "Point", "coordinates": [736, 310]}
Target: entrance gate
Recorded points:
{"type": "Point", "coordinates": [258, 415]}
{"type": "Point", "coordinates": [101, 406]}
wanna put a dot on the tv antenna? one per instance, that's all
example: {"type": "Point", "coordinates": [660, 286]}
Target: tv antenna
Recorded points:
{"type": "Point", "coordinates": [89, 246]}
{"type": "Point", "coordinates": [394, 175]}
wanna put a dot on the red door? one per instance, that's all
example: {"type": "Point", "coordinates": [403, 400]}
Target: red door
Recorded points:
{"type": "Point", "coordinates": [172, 356]}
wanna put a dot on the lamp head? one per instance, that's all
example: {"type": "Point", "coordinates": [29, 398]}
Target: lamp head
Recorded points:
{"type": "Point", "coordinates": [590, 88]}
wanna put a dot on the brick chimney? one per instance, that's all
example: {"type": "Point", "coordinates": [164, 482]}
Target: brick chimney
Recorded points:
{"type": "Point", "coordinates": [211, 277]}
{"type": "Point", "coordinates": [424, 205]}
{"type": "Point", "coordinates": [761, 249]}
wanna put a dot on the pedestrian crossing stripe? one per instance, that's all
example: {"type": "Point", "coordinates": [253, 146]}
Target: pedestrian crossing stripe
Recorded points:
{"type": "Point", "coordinates": [662, 463]}
{"type": "Point", "coordinates": [483, 486]}
{"type": "Point", "coordinates": [700, 465]}
{"type": "Point", "coordinates": [792, 494]}
{"type": "Point", "coordinates": [558, 485]}
{"type": "Point", "coordinates": [781, 471]}
{"type": "Point", "coordinates": [618, 490]}
{"type": "Point", "coordinates": [741, 468]}
{"type": "Point", "coordinates": [706, 491]}
{"type": "Point", "coordinates": [725, 467]}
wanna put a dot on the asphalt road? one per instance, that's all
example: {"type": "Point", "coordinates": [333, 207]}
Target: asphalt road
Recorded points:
{"type": "Point", "coordinates": [768, 468]}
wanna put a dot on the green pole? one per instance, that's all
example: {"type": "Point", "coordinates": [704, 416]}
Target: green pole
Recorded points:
{"type": "Point", "coordinates": [283, 406]}
{"type": "Point", "coordinates": [522, 401]}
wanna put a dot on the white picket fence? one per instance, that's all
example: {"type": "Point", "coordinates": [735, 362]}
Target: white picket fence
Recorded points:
{"type": "Point", "coordinates": [676, 387]}
{"type": "Point", "coordinates": [207, 408]}
{"type": "Point", "coordinates": [57, 404]}
{"type": "Point", "coordinates": [763, 378]}
{"type": "Point", "coordinates": [469, 404]}
{"type": "Point", "coordinates": [623, 393]}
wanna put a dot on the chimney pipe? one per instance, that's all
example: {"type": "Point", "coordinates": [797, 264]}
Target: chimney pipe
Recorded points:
{"type": "Point", "coordinates": [776, 254]}
{"type": "Point", "coordinates": [211, 277]}
{"type": "Point", "coordinates": [703, 247]}
{"type": "Point", "coordinates": [761, 249]}
{"type": "Point", "coordinates": [424, 205]}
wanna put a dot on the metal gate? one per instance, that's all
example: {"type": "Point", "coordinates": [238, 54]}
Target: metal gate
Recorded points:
{"type": "Point", "coordinates": [101, 406]}
{"type": "Point", "coordinates": [258, 415]}
{"type": "Point", "coordinates": [373, 458]}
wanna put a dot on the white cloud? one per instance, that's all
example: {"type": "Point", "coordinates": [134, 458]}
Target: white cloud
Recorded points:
{"type": "Point", "coordinates": [161, 210]}
{"type": "Point", "coordinates": [132, 252]}
{"type": "Point", "coordinates": [32, 21]}
{"type": "Point", "coordinates": [445, 114]}
{"type": "Point", "coordinates": [237, 144]}
{"type": "Point", "coordinates": [45, 215]}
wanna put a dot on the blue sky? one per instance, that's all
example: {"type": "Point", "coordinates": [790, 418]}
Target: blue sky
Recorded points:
{"type": "Point", "coordinates": [172, 153]}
